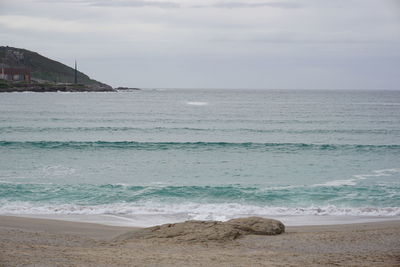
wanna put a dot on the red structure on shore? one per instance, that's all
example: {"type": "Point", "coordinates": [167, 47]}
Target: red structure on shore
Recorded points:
{"type": "Point", "coordinates": [15, 74]}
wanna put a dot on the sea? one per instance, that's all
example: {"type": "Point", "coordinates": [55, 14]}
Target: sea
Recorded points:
{"type": "Point", "coordinates": [154, 156]}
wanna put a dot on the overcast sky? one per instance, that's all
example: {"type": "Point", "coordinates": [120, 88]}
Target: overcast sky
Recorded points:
{"type": "Point", "coordinates": [316, 44]}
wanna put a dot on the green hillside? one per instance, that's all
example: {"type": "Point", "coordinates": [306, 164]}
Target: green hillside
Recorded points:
{"type": "Point", "coordinates": [43, 68]}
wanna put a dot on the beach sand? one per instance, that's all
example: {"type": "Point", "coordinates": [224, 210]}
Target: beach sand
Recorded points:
{"type": "Point", "coordinates": [44, 242]}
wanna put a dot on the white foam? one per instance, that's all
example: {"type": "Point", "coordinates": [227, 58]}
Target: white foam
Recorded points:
{"type": "Point", "coordinates": [151, 213]}
{"type": "Point", "coordinates": [378, 173]}
{"type": "Point", "coordinates": [377, 103]}
{"type": "Point", "coordinates": [57, 170]}
{"type": "Point", "coordinates": [338, 183]}
{"type": "Point", "coordinates": [197, 103]}
{"type": "Point", "coordinates": [358, 177]}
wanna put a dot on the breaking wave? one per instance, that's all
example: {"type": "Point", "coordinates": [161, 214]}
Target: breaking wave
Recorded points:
{"type": "Point", "coordinates": [192, 211]}
{"type": "Point", "coordinates": [190, 145]}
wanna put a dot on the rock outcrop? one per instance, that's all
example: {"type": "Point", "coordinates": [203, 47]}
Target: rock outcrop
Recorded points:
{"type": "Point", "coordinates": [201, 231]}
{"type": "Point", "coordinates": [40, 88]}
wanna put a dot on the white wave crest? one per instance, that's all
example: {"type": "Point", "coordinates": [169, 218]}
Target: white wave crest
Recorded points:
{"type": "Point", "coordinates": [358, 177]}
{"type": "Point", "coordinates": [378, 173]}
{"type": "Point", "coordinates": [339, 183]}
{"type": "Point", "coordinates": [57, 170]}
{"type": "Point", "coordinates": [191, 211]}
{"type": "Point", "coordinates": [197, 103]}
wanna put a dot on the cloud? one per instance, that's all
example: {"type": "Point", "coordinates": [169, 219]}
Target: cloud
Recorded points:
{"type": "Point", "coordinates": [133, 3]}
{"type": "Point", "coordinates": [230, 5]}
{"type": "Point", "coordinates": [116, 3]}
{"type": "Point", "coordinates": [328, 38]}
{"type": "Point", "coordinates": [40, 24]}
{"type": "Point", "coordinates": [60, 26]}
{"type": "Point", "coordinates": [214, 43]}
{"type": "Point", "coordinates": [169, 4]}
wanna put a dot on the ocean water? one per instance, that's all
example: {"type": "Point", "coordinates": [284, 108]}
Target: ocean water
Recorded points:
{"type": "Point", "coordinates": [155, 156]}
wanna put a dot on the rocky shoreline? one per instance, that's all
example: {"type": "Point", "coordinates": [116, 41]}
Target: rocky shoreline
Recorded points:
{"type": "Point", "coordinates": [41, 88]}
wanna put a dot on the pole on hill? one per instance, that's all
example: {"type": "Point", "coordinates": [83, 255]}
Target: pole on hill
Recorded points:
{"type": "Point", "coordinates": [76, 74]}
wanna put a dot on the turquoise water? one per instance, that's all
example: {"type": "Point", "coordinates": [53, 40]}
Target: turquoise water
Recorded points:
{"type": "Point", "coordinates": [201, 154]}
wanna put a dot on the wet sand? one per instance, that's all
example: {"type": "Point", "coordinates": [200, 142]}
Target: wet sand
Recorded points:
{"type": "Point", "coordinates": [45, 242]}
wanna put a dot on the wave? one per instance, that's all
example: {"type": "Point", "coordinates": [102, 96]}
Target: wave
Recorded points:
{"type": "Point", "coordinates": [192, 211]}
{"type": "Point", "coordinates": [190, 145]}
{"type": "Point", "coordinates": [290, 196]}
{"type": "Point", "coordinates": [159, 203]}
{"type": "Point", "coordinates": [139, 117]}
{"type": "Point", "coordinates": [193, 103]}
{"type": "Point", "coordinates": [25, 129]}
{"type": "Point", "coordinates": [357, 177]}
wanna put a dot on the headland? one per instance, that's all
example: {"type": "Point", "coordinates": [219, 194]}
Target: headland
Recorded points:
{"type": "Point", "coordinates": [22, 70]}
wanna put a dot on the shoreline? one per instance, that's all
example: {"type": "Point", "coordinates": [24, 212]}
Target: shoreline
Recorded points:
{"type": "Point", "coordinates": [41, 223]}
{"type": "Point", "coordinates": [47, 242]}
{"type": "Point", "coordinates": [56, 90]}
{"type": "Point", "coordinates": [142, 221]}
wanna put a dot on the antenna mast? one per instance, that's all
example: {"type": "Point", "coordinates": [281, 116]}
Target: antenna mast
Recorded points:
{"type": "Point", "coordinates": [76, 74]}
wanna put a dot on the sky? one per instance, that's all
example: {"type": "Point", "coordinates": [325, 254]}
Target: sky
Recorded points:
{"type": "Point", "coordinates": [263, 44]}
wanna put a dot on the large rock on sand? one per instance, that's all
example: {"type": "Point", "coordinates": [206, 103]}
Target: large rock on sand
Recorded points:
{"type": "Point", "coordinates": [209, 230]}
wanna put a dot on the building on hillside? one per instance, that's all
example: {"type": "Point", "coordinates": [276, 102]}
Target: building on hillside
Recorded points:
{"type": "Point", "coordinates": [15, 74]}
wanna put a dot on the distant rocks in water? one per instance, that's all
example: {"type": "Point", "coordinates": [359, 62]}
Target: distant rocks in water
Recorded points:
{"type": "Point", "coordinates": [127, 89]}
{"type": "Point", "coordinates": [202, 231]}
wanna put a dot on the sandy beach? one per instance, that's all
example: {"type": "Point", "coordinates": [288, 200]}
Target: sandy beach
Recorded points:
{"type": "Point", "coordinates": [44, 242]}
